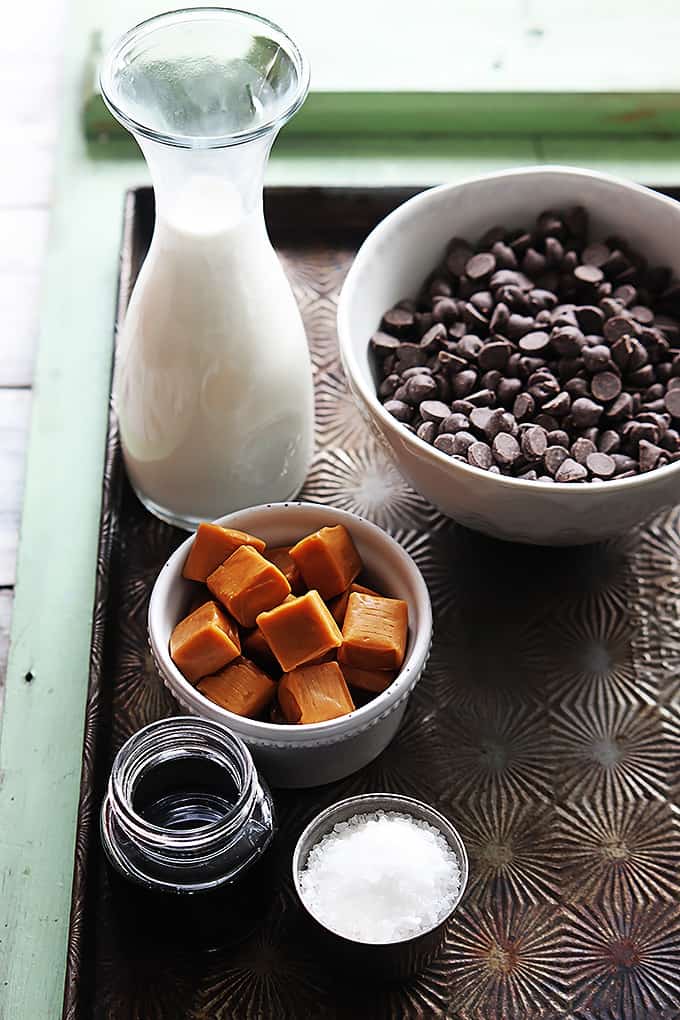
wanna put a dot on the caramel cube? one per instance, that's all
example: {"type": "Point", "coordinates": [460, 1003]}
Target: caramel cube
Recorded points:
{"type": "Point", "coordinates": [241, 687]}
{"type": "Point", "coordinates": [212, 546]}
{"type": "Point", "coordinates": [300, 630]}
{"type": "Point", "coordinates": [256, 647]}
{"type": "Point", "coordinates": [281, 558]}
{"type": "Point", "coordinates": [204, 641]}
{"type": "Point", "coordinates": [338, 605]}
{"type": "Point", "coordinates": [374, 680]}
{"type": "Point", "coordinates": [328, 560]}
{"type": "Point", "coordinates": [374, 632]}
{"type": "Point", "coordinates": [312, 694]}
{"type": "Point", "coordinates": [248, 584]}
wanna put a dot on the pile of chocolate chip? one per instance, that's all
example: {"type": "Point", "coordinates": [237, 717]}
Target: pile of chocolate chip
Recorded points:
{"type": "Point", "coordinates": [539, 355]}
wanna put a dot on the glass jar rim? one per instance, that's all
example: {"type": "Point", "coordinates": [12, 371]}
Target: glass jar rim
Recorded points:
{"type": "Point", "coordinates": [202, 837]}
{"type": "Point", "coordinates": [149, 25]}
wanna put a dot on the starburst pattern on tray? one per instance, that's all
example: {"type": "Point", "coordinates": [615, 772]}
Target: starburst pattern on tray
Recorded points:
{"type": "Point", "coordinates": [625, 961]}
{"type": "Point", "coordinates": [365, 482]}
{"type": "Point", "coordinates": [512, 850]}
{"type": "Point", "coordinates": [619, 850]}
{"type": "Point", "coordinates": [140, 694]}
{"type": "Point", "coordinates": [613, 749]}
{"type": "Point", "coordinates": [339, 422]}
{"type": "Point", "coordinates": [588, 651]}
{"type": "Point", "coordinates": [658, 569]}
{"type": "Point", "coordinates": [415, 753]}
{"type": "Point", "coordinates": [499, 751]}
{"type": "Point", "coordinates": [270, 975]}
{"type": "Point", "coordinates": [507, 961]}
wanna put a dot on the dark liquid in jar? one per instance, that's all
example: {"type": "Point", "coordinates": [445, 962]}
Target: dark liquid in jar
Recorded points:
{"type": "Point", "coordinates": [186, 793]}
{"type": "Point", "coordinates": [179, 795]}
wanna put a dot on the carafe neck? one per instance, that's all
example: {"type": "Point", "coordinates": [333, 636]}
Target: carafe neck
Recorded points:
{"type": "Point", "coordinates": [205, 190]}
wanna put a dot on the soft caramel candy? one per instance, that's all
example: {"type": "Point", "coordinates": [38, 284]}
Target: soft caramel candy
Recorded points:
{"type": "Point", "coordinates": [248, 584]}
{"type": "Point", "coordinates": [281, 558]}
{"type": "Point", "coordinates": [300, 630]}
{"type": "Point", "coordinates": [311, 694]}
{"type": "Point", "coordinates": [374, 632]}
{"type": "Point", "coordinates": [242, 688]}
{"type": "Point", "coordinates": [256, 647]}
{"type": "Point", "coordinates": [328, 560]}
{"type": "Point", "coordinates": [212, 546]}
{"type": "Point", "coordinates": [374, 680]}
{"type": "Point", "coordinates": [204, 641]}
{"type": "Point", "coordinates": [338, 605]}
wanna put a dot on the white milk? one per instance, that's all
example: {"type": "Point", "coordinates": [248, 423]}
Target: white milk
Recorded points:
{"type": "Point", "coordinates": [213, 386]}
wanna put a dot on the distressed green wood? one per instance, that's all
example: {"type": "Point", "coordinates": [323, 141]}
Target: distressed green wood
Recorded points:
{"type": "Point", "coordinates": [40, 746]}
{"type": "Point", "coordinates": [399, 114]}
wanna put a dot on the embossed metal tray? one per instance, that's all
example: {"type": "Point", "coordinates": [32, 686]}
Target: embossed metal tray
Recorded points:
{"type": "Point", "coordinates": [547, 727]}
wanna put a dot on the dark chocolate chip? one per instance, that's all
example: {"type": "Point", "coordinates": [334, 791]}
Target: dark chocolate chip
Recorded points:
{"type": "Point", "coordinates": [605, 386]}
{"type": "Point", "coordinates": [570, 471]}
{"type": "Point", "coordinates": [600, 465]}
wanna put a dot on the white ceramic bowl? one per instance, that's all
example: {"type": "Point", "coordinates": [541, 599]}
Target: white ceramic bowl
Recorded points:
{"type": "Point", "coordinates": [392, 263]}
{"type": "Point", "coordinates": [305, 755]}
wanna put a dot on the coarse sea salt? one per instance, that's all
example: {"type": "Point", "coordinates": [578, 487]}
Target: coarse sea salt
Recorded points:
{"type": "Point", "coordinates": [381, 877]}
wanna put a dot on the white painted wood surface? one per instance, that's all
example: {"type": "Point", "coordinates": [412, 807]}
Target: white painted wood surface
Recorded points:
{"type": "Point", "coordinates": [31, 46]}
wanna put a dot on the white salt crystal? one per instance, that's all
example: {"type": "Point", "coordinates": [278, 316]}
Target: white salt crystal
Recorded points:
{"type": "Point", "coordinates": [381, 877]}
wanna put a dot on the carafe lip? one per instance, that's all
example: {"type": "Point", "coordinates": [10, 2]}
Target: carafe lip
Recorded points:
{"type": "Point", "coordinates": [137, 127]}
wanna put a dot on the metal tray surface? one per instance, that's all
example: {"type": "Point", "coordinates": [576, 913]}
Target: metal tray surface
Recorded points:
{"type": "Point", "coordinates": [547, 727]}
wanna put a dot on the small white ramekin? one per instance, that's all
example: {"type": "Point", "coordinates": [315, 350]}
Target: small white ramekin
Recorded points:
{"type": "Point", "coordinates": [310, 754]}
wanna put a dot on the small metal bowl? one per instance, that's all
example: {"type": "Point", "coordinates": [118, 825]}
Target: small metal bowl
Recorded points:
{"type": "Point", "coordinates": [389, 959]}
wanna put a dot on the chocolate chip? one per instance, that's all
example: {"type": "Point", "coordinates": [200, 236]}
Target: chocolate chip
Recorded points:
{"type": "Point", "coordinates": [649, 454]}
{"type": "Point", "coordinates": [398, 321]}
{"type": "Point", "coordinates": [570, 471]}
{"type": "Point", "coordinates": [536, 341]}
{"type": "Point", "coordinates": [605, 386]}
{"type": "Point", "coordinates": [534, 442]}
{"type": "Point", "coordinates": [618, 326]}
{"type": "Point", "coordinates": [383, 343]}
{"type": "Point", "coordinates": [554, 457]}
{"type": "Point", "coordinates": [482, 398]}
{"type": "Point", "coordinates": [434, 410]}
{"type": "Point", "coordinates": [464, 382]}
{"type": "Point", "coordinates": [567, 340]}
{"type": "Point", "coordinates": [505, 449]}
{"type": "Point", "coordinates": [427, 431]}
{"type": "Point", "coordinates": [595, 255]}
{"type": "Point", "coordinates": [457, 255]}
{"type": "Point", "coordinates": [590, 318]}
{"type": "Point", "coordinates": [672, 401]}
{"type": "Point", "coordinates": [596, 358]}
{"type": "Point", "coordinates": [582, 449]}
{"type": "Point", "coordinates": [421, 387]}
{"type": "Point", "coordinates": [495, 354]}
{"type": "Point", "coordinates": [480, 266]}
{"type": "Point", "coordinates": [462, 441]}
{"type": "Point", "coordinates": [455, 422]}
{"type": "Point", "coordinates": [585, 412]}
{"type": "Point", "coordinates": [399, 410]}
{"type": "Point", "coordinates": [479, 455]}
{"type": "Point", "coordinates": [600, 465]}
{"type": "Point", "coordinates": [445, 443]}
{"type": "Point", "coordinates": [588, 274]}
{"type": "Point", "coordinates": [558, 406]}
{"type": "Point", "coordinates": [523, 406]}
{"type": "Point", "coordinates": [507, 390]}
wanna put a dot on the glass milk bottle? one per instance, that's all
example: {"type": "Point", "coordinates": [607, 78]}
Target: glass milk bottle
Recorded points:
{"type": "Point", "coordinates": [213, 382]}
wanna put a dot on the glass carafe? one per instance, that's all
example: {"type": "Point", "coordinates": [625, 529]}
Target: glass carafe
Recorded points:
{"type": "Point", "coordinates": [213, 382]}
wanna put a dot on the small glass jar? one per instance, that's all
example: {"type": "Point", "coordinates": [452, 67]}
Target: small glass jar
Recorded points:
{"type": "Point", "coordinates": [185, 823]}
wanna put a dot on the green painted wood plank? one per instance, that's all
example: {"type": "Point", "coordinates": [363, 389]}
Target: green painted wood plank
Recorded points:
{"type": "Point", "coordinates": [6, 600]}
{"type": "Point", "coordinates": [14, 414]}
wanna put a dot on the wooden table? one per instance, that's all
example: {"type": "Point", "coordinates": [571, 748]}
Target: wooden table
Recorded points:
{"type": "Point", "coordinates": [30, 74]}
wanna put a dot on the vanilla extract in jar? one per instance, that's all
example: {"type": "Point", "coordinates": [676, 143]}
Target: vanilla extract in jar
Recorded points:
{"type": "Point", "coordinates": [186, 826]}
